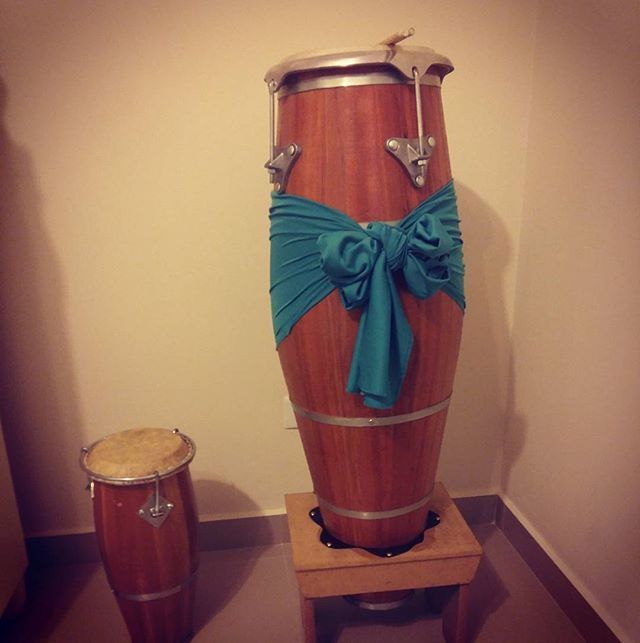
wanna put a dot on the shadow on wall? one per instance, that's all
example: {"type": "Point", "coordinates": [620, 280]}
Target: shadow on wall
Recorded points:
{"type": "Point", "coordinates": [223, 572]}
{"type": "Point", "coordinates": [38, 401]}
{"type": "Point", "coordinates": [477, 421]}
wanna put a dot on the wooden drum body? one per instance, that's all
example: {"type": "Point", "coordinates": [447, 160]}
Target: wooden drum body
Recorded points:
{"type": "Point", "coordinates": [146, 522]}
{"type": "Point", "coordinates": [339, 108]}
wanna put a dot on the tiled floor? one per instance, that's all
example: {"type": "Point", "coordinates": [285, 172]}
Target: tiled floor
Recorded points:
{"type": "Point", "coordinates": [250, 596]}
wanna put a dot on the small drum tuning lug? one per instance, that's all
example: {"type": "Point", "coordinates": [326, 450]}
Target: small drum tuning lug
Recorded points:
{"type": "Point", "coordinates": [156, 510]}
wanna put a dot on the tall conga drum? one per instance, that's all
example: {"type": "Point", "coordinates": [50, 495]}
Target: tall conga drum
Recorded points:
{"type": "Point", "coordinates": [146, 522]}
{"type": "Point", "coordinates": [366, 278]}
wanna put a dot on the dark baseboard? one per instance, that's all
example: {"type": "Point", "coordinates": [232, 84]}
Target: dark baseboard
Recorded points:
{"type": "Point", "coordinates": [219, 534]}
{"type": "Point", "coordinates": [272, 530]}
{"type": "Point", "coordinates": [232, 533]}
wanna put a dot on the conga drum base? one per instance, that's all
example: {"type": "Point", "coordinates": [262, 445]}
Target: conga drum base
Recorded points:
{"type": "Point", "coordinates": [375, 601]}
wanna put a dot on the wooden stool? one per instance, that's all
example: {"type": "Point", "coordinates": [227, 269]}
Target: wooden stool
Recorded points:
{"type": "Point", "coordinates": [448, 556]}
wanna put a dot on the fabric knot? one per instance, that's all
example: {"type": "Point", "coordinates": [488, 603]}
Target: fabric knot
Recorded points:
{"type": "Point", "coordinates": [394, 241]}
{"type": "Point", "coordinates": [422, 253]}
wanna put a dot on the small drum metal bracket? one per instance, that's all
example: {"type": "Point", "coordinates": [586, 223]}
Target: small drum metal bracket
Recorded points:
{"type": "Point", "coordinates": [157, 509]}
{"type": "Point", "coordinates": [413, 156]}
{"type": "Point", "coordinates": [280, 164]}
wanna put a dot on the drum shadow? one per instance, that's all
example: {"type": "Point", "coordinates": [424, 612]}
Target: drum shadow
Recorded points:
{"type": "Point", "coordinates": [476, 424]}
{"type": "Point", "coordinates": [231, 548]}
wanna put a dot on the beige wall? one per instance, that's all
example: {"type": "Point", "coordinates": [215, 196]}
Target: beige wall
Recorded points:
{"type": "Point", "coordinates": [571, 453]}
{"type": "Point", "coordinates": [134, 244]}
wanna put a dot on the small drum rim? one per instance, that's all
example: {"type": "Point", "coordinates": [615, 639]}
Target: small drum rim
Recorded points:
{"type": "Point", "coordinates": [126, 480]}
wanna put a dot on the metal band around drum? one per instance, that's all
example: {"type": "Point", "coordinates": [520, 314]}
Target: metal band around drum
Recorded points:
{"type": "Point", "coordinates": [352, 80]}
{"type": "Point", "coordinates": [143, 598]}
{"type": "Point", "coordinates": [374, 515]}
{"type": "Point", "coordinates": [336, 420]}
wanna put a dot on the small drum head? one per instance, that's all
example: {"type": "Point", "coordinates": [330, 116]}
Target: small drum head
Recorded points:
{"type": "Point", "coordinates": [136, 455]}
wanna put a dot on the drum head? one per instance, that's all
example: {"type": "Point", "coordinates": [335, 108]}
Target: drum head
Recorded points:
{"type": "Point", "coordinates": [137, 454]}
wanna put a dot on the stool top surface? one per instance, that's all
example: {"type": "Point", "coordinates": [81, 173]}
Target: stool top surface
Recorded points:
{"type": "Point", "coordinates": [452, 538]}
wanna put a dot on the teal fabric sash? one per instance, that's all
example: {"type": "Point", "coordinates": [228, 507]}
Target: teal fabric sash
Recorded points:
{"type": "Point", "coordinates": [315, 249]}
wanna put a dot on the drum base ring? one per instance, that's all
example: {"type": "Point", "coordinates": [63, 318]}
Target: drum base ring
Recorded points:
{"type": "Point", "coordinates": [328, 540]}
{"type": "Point", "coordinates": [380, 607]}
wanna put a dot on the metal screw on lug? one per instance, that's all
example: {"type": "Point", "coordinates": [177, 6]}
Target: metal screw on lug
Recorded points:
{"type": "Point", "coordinates": [393, 145]}
{"type": "Point", "coordinates": [140, 512]}
{"type": "Point", "coordinates": [431, 141]}
{"type": "Point", "coordinates": [419, 181]}
{"type": "Point", "coordinates": [276, 187]}
{"type": "Point", "coordinates": [291, 150]}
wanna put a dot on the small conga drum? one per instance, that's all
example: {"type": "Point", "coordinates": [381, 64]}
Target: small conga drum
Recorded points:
{"type": "Point", "coordinates": [358, 137]}
{"type": "Point", "coordinates": [146, 522]}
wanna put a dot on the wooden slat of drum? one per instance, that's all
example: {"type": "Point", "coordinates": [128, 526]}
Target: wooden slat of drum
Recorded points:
{"type": "Point", "coordinates": [342, 132]}
{"type": "Point", "coordinates": [142, 559]}
{"type": "Point", "coordinates": [316, 357]}
{"type": "Point", "coordinates": [378, 469]}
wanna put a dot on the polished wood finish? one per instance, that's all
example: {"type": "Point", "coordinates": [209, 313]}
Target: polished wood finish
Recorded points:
{"type": "Point", "coordinates": [449, 556]}
{"type": "Point", "coordinates": [142, 559]}
{"type": "Point", "coordinates": [308, 619]}
{"type": "Point", "coordinates": [344, 164]}
{"type": "Point", "coordinates": [454, 621]}
{"type": "Point", "coordinates": [377, 468]}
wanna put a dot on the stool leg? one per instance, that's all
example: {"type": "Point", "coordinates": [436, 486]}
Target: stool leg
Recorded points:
{"type": "Point", "coordinates": [308, 619]}
{"type": "Point", "coordinates": [454, 616]}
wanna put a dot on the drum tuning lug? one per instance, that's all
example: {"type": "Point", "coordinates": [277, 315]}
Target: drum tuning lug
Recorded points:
{"type": "Point", "coordinates": [281, 163]}
{"type": "Point", "coordinates": [407, 152]}
{"type": "Point", "coordinates": [281, 158]}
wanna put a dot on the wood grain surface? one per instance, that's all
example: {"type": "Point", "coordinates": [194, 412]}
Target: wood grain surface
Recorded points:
{"type": "Point", "coordinates": [142, 559]}
{"type": "Point", "coordinates": [344, 164]}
